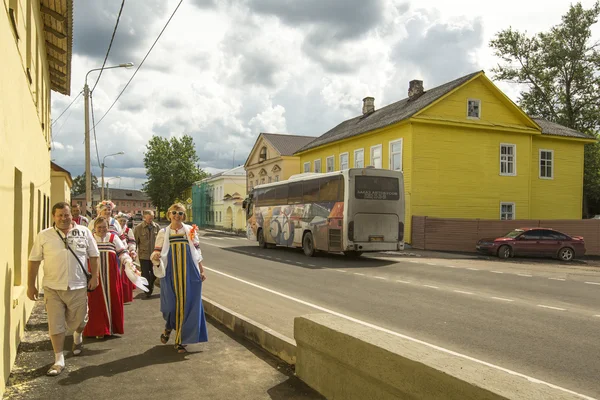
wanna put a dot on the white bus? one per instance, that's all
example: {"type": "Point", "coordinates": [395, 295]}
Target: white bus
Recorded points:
{"type": "Point", "coordinates": [351, 211]}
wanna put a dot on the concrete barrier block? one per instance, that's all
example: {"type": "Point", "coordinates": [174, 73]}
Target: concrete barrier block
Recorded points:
{"type": "Point", "coordinates": [346, 360]}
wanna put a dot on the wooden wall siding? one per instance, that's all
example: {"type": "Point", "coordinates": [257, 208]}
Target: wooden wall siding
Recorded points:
{"type": "Point", "coordinates": [453, 234]}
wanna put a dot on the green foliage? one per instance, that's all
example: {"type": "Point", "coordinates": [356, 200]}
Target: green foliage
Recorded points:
{"type": "Point", "coordinates": [171, 169]}
{"type": "Point", "coordinates": [79, 184]}
{"type": "Point", "coordinates": [560, 72]}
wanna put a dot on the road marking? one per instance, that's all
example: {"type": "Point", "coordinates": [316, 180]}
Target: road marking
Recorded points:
{"type": "Point", "coordinates": [406, 337]}
{"type": "Point", "coordinates": [204, 237]}
{"type": "Point", "coordinates": [340, 270]}
{"type": "Point", "coordinates": [552, 308]}
{"type": "Point", "coordinates": [496, 272]}
{"type": "Point", "coordinates": [527, 275]}
{"type": "Point", "coordinates": [501, 298]}
{"type": "Point", "coordinates": [381, 277]}
{"type": "Point", "coordinates": [473, 269]}
{"type": "Point", "coordinates": [593, 283]}
{"type": "Point", "coordinates": [278, 259]}
{"type": "Point", "coordinates": [269, 257]}
{"type": "Point", "coordinates": [451, 266]}
{"type": "Point", "coordinates": [288, 260]}
{"type": "Point", "coordinates": [433, 287]}
{"type": "Point", "coordinates": [218, 238]}
{"type": "Point", "coordinates": [431, 264]}
{"type": "Point", "coordinates": [299, 263]}
{"type": "Point", "coordinates": [356, 273]}
{"type": "Point", "coordinates": [463, 292]}
{"type": "Point", "coordinates": [311, 265]}
{"type": "Point", "coordinates": [557, 279]}
{"type": "Point", "coordinates": [401, 281]}
{"type": "Point", "coordinates": [597, 315]}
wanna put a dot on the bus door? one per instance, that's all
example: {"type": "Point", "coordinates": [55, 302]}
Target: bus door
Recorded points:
{"type": "Point", "coordinates": [331, 198]}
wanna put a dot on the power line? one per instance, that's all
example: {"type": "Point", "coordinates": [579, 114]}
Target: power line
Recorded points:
{"type": "Point", "coordinates": [141, 63]}
{"type": "Point", "coordinates": [109, 45]}
{"type": "Point", "coordinates": [65, 110]}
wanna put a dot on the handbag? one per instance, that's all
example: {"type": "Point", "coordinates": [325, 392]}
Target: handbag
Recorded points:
{"type": "Point", "coordinates": [88, 276]}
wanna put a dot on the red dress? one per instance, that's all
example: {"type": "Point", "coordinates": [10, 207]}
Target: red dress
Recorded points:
{"type": "Point", "coordinates": [106, 315]}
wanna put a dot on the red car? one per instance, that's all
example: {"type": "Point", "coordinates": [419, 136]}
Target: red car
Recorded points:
{"type": "Point", "coordinates": [539, 242]}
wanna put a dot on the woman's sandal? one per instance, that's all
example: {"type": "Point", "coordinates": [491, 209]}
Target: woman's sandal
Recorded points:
{"type": "Point", "coordinates": [55, 370]}
{"type": "Point", "coordinates": [180, 348]}
{"type": "Point", "coordinates": [164, 337]}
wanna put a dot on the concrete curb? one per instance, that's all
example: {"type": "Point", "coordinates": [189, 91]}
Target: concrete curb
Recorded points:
{"type": "Point", "coordinates": [274, 342]}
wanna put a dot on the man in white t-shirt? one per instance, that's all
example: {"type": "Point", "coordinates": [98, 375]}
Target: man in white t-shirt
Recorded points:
{"type": "Point", "coordinates": [65, 281]}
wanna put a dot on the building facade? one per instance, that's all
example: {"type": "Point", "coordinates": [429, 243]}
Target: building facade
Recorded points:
{"type": "Point", "coordinates": [466, 150]}
{"type": "Point", "coordinates": [35, 48]}
{"type": "Point", "coordinates": [128, 201]}
{"type": "Point", "coordinates": [217, 200]}
{"type": "Point", "coordinates": [272, 158]}
{"type": "Point", "coordinates": [61, 184]}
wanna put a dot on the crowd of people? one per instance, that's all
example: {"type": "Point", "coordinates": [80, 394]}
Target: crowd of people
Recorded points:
{"type": "Point", "coordinates": [90, 272]}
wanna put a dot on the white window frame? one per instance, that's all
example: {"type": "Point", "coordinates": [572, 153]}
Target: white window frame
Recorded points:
{"type": "Point", "coordinates": [380, 147]}
{"type": "Point", "coordinates": [514, 146]}
{"type": "Point", "coordinates": [304, 167]}
{"type": "Point", "coordinates": [551, 164]}
{"type": "Point", "coordinates": [477, 117]}
{"type": "Point", "coordinates": [347, 161]}
{"type": "Point", "coordinates": [332, 158]}
{"type": "Point", "coordinates": [401, 141]}
{"type": "Point", "coordinates": [276, 178]}
{"type": "Point", "coordinates": [363, 154]}
{"type": "Point", "coordinates": [514, 210]}
{"type": "Point", "coordinates": [317, 170]}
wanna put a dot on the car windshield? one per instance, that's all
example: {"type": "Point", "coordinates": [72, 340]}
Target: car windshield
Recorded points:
{"type": "Point", "coordinates": [513, 234]}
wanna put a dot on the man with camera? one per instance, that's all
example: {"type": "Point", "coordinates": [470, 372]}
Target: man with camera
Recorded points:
{"type": "Point", "coordinates": [65, 249]}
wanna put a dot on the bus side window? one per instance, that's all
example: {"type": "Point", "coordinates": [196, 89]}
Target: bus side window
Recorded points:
{"type": "Point", "coordinates": [268, 198]}
{"type": "Point", "coordinates": [295, 193]}
{"type": "Point", "coordinates": [281, 195]}
{"type": "Point", "coordinates": [331, 188]}
{"type": "Point", "coordinates": [258, 198]}
{"type": "Point", "coordinates": [310, 191]}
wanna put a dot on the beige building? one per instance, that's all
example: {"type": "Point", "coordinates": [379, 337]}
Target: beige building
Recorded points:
{"type": "Point", "coordinates": [61, 184]}
{"type": "Point", "coordinates": [35, 48]}
{"type": "Point", "coordinates": [128, 201]}
{"type": "Point", "coordinates": [272, 160]}
{"type": "Point", "coordinates": [218, 200]}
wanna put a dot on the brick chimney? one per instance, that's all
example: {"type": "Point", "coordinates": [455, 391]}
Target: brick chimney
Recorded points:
{"type": "Point", "coordinates": [368, 105]}
{"type": "Point", "coordinates": [415, 88]}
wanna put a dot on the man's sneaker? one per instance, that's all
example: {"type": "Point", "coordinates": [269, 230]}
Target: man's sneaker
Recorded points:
{"type": "Point", "coordinates": [77, 348]}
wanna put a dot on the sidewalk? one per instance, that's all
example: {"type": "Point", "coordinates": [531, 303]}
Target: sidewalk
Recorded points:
{"type": "Point", "coordinates": [137, 366]}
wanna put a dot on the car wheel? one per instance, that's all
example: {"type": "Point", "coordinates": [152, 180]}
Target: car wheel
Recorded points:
{"type": "Point", "coordinates": [566, 254]}
{"type": "Point", "coordinates": [261, 240]}
{"type": "Point", "coordinates": [504, 252]}
{"type": "Point", "coordinates": [308, 245]}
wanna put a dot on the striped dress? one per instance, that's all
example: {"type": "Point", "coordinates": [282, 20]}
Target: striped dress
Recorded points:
{"type": "Point", "coordinates": [106, 314]}
{"type": "Point", "coordinates": [181, 293]}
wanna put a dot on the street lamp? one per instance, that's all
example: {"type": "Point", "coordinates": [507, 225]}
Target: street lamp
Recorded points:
{"type": "Point", "coordinates": [108, 180]}
{"type": "Point", "coordinates": [88, 172]}
{"type": "Point", "coordinates": [102, 168]}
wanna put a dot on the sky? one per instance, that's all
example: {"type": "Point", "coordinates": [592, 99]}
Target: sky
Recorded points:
{"type": "Point", "coordinates": [226, 70]}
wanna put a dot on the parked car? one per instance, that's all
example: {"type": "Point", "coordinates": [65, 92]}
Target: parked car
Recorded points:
{"type": "Point", "coordinates": [540, 242]}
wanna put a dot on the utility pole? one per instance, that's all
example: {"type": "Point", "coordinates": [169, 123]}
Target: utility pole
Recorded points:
{"type": "Point", "coordinates": [88, 173]}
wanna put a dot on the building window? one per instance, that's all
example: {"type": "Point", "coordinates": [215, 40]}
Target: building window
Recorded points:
{"type": "Point", "coordinates": [276, 178]}
{"type": "Point", "coordinates": [359, 158]}
{"type": "Point", "coordinates": [329, 164]}
{"type": "Point", "coordinates": [508, 158]}
{"type": "Point", "coordinates": [270, 180]}
{"type": "Point", "coordinates": [318, 166]}
{"type": "Point", "coordinates": [507, 211]}
{"type": "Point", "coordinates": [546, 164]}
{"type": "Point", "coordinates": [396, 155]}
{"type": "Point", "coordinates": [306, 167]}
{"type": "Point", "coordinates": [376, 156]}
{"type": "Point", "coordinates": [263, 155]}
{"type": "Point", "coordinates": [262, 180]}
{"type": "Point", "coordinates": [343, 161]}
{"type": "Point", "coordinates": [474, 108]}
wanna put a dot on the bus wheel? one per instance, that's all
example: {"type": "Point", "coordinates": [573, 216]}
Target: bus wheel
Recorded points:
{"type": "Point", "coordinates": [308, 245]}
{"type": "Point", "coordinates": [261, 240]}
{"type": "Point", "coordinates": [353, 254]}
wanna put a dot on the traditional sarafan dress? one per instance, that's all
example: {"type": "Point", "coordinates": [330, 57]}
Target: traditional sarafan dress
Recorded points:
{"type": "Point", "coordinates": [128, 286]}
{"type": "Point", "coordinates": [105, 304]}
{"type": "Point", "coordinates": [181, 288]}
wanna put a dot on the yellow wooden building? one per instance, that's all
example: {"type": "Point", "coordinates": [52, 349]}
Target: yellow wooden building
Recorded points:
{"type": "Point", "coordinates": [466, 150]}
{"type": "Point", "coordinates": [35, 49]}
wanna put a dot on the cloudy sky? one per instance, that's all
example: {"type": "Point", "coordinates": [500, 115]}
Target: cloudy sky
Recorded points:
{"type": "Point", "coordinates": [226, 70]}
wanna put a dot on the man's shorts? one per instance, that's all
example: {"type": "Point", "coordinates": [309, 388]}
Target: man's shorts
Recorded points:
{"type": "Point", "coordinates": [66, 309]}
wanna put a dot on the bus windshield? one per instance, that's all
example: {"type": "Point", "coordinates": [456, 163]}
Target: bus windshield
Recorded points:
{"type": "Point", "coordinates": [376, 188]}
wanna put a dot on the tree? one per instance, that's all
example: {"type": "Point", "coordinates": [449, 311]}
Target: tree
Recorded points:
{"type": "Point", "coordinates": [560, 69]}
{"type": "Point", "coordinates": [171, 169]}
{"type": "Point", "coordinates": [79, 184]}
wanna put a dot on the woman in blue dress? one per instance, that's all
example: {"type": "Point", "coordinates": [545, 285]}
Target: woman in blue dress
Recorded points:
{"type": "Point", "coordinates": [177, 246]}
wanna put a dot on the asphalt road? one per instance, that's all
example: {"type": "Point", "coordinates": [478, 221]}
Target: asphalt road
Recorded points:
{"type": "Point", "coordinates": [539, 320]}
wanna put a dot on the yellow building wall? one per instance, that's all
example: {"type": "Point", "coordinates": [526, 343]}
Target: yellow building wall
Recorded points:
{"type": "Point", "coordinates": [24, 168]}
{"type": "Point", "coordinates": [560, 197]}
{"type": "Point", "coordinates": [61, 189]}
{"type": "Point", "coordinates": [493, 110]}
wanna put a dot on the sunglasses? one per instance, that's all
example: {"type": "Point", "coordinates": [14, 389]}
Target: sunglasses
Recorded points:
{"type": "Point", "coordinates": [177, 212]}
